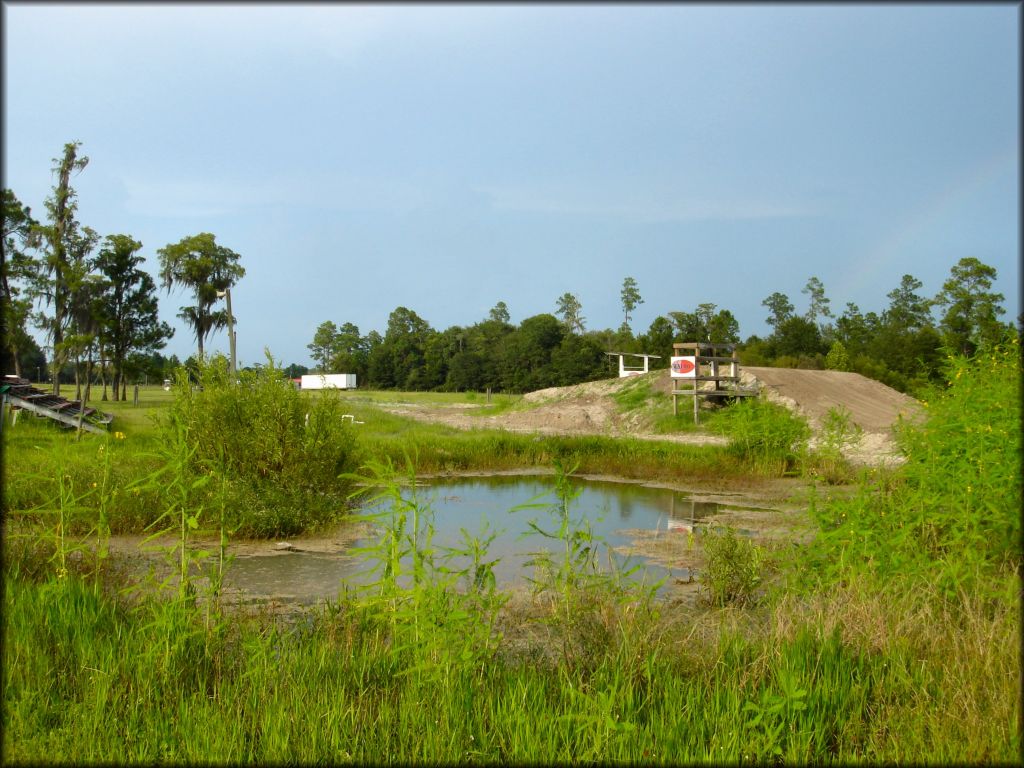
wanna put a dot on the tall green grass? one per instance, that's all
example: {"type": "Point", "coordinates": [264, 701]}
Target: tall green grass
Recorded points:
{"type": "Point", "coordinates": [415, 673]}
{"type": "Point", "coordinates": [951, 515]}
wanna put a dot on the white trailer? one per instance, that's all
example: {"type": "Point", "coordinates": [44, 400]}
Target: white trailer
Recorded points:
{"type": "Point", "coordinates": [328, 381]}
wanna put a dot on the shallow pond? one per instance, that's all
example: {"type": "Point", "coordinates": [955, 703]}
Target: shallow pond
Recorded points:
{"type": "Point", "coordinates": [617, 513]}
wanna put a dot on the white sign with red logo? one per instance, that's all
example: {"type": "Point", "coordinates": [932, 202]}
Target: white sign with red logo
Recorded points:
{"type": "Point", "coordinates": [684, 367]}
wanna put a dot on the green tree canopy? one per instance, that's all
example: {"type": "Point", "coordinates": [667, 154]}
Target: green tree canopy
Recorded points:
{"type": "Point", "coordinates": [65, 260]}
{"type": "Point", "coordinates": [797, 336]}
{"type": "Point", "coordinates": [819, 305]}
{"type": "Point", "coordinates": [499, 313]}
{"type": "Point", "coordinates": [907, 309]}
{"type": "Point", "coordinates": [571, 311]}
{"type": "Point", "coordinates": [971, 309]}
{"type": "Point", "coordinates": [398, 360]}
{"type": "Point", "coordinates": [17, 269]}
{"type": "Point", "coordinates": [658, 339]}
{"type": "Point", "coordinates": [322, 347]}
{"type": "Point", "coordinates": [705, 324]}
{"type": "Point", "coordinates": [350, 351]}
{"type": "Point", "coordinates": [525, 354]}
{"type": "Point", "coordinates": [128, 305]}
{"type": "Point", "coordinates": [631, 298]}
{"type": "Point", "coordinates": [780, 307]}
{"type": "Point", "coordinates": [198, 264]}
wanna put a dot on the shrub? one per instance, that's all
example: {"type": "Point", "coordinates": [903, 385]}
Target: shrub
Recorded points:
{"type": "Point", "coordinates": [837, 358]}
{"type": "Point", "coordinates": [767, 436]}
{"type": "Point", "coordinates": [283, 450]}
{"type": "Point", "coordinates": [734, 569]}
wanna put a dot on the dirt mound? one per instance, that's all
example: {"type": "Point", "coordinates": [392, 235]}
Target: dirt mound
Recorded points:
{"type": "Point", "coordinates": [590, 408]}
{"type": "Point", "coordinates": [873, 406]}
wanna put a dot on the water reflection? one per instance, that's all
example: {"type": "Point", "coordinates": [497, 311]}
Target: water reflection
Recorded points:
{"type": "Point", "coordinates": [683, 513]}
{"type": "Point", "coordinates": [502, 505]}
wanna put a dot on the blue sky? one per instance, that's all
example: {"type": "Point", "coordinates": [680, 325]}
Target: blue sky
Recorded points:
{"type": "Point", "coordinates": [445, 158]}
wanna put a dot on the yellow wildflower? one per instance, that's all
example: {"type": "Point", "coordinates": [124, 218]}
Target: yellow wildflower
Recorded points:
{"type": "Point", "coordinates": [119, 435]}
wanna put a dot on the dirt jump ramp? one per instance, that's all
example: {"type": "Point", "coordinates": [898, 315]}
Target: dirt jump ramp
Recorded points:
{"type": "Point", "coordinates": [873, 406]}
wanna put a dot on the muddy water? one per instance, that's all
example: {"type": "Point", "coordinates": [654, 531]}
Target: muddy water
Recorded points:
{"type": "Point", "coordinates": [652, 527]}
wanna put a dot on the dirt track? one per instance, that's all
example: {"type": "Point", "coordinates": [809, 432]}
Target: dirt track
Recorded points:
{"type": "Point", "coordinates": [872, 405]}
{"type": "Point", "coordinates": [590, 409]}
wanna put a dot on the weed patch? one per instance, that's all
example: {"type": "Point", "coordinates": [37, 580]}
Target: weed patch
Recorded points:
{"type": "Point", "coordinates": [952, 512]}
{"type": "Point", "coordinates": [766, 436]}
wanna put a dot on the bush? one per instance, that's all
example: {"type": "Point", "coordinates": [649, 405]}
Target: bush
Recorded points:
{"type": "Point", "coordinates": [734, 569]}
{"type": "Point", "coordinates": [281, 450]}
{"type": "Point", "coordinates": [767, 436]}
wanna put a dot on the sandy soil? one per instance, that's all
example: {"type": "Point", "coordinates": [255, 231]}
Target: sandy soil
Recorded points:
{"type": "Point", "coordinates": [582, 409]}
{"type": "Point", "coordinates": [590, 409]}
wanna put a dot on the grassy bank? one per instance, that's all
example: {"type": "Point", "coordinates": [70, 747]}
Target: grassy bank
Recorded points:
{"type": "Point", "coordinates": [894, 637]}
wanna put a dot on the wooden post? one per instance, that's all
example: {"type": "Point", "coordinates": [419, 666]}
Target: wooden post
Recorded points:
{"type": "Point", "coordinates": [488, 395]}
{"type": "Point", "coordinates": [135, 396]}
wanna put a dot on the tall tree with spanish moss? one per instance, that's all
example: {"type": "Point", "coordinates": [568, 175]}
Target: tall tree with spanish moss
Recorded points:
{"type": "Point", "coordinates": [200, 265]}
{"type": "Point", "coordinates": [65, 266]}
{"type": "Point", "coordinates": [16, 268]}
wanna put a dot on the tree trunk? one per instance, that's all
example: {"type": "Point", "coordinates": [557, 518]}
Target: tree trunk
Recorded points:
{"type": "Point", "coordinates": [55, 367]}
{"type": "Point", "coordinates": [103, 372]}
{"type": "Point", "coordinates": [124, 388]}
{"type": "Point", "coordinates": [88, 379]}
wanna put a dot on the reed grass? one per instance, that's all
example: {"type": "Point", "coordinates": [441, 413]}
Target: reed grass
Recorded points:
{"type": "Point", "coordinates": [93, 680]}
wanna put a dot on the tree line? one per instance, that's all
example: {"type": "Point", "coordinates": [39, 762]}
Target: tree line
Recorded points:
{"type": "Point", "coordinates": [89, 296]}
{"type": "Point", "coordinates": [902, 345]}
{"type": "Point", "coordinates": [97, 309]}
